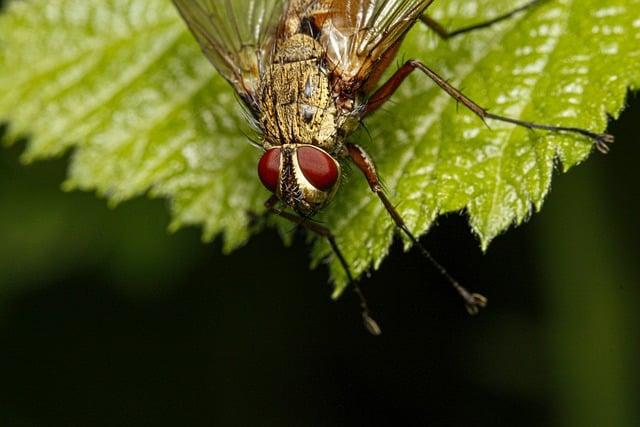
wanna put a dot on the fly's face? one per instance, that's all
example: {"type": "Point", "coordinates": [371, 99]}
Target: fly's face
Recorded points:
{"type": "Point", "coordinates": [303, 176]}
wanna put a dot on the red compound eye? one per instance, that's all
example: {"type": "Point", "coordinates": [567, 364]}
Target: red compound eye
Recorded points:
{"type": "Point", "coordinates": [318, 167]}
{"type": "Point", "coordinates": [269, 169]}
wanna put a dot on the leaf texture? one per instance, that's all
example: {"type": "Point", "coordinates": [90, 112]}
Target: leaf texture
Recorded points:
{"type": "Point", "coordinates": [123, 84]}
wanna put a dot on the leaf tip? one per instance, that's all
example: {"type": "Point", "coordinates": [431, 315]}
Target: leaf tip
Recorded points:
{"type": "Point", "coordinates": [69, 185]}
{"type": "Point", "coordinates": [338, 290]}
{"type": "Point", "coordinates": [174, 226]}
{"type": "Point", "coordinates": [485, 241]}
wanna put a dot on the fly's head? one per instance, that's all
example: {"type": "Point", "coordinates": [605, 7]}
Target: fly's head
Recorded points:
{"type": "Point", "coordinates": [303, 176]}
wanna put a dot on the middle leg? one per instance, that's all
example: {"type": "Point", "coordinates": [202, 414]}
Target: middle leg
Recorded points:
{"type": "Point", "coordinates": [473, 301]}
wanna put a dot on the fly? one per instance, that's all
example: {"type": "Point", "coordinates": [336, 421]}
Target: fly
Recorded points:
{"type": "Point", "coordinates": [308, 72]}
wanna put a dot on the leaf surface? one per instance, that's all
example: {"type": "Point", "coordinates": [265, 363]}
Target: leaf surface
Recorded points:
{"type": "Point", "coordinates": [123, 84]}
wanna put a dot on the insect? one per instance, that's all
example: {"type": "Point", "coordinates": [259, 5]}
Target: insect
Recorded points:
{"type": "Point", "coordinates": [309, 72]}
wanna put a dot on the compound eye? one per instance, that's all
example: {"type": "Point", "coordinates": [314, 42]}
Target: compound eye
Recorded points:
{"type": "Point", "coordinates": [269, 169]}
{"type": "Point", "coordinates": [318, 167]}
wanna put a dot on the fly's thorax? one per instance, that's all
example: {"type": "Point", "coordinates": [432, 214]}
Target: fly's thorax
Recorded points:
{"type": "Point", "coordinates": [296, 102]}
{"type": "Point", "coordinates": [303, 176]}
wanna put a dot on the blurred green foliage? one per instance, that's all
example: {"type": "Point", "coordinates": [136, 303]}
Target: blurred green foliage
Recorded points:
{"type": "Point", "coordinates": [47, 233]}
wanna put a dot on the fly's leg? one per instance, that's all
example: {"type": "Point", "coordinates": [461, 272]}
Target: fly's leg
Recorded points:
{"type": "Point", "coordinates": [369, 323]}
{"type": "Point", "coordinates": [379, 97]}
{"type": "Point", "coordinates": [473, 301]}
{"type": "Point", "coordinates": [445, 34]}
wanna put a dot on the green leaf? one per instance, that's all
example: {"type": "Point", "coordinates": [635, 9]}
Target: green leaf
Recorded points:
{"type": "Point", "coordinates": [123, 84]}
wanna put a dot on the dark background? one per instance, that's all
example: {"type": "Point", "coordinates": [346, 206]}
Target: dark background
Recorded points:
{"type": "Point", "coordinates": [106, 319]}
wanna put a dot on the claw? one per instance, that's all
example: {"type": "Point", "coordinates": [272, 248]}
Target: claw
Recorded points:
{"type": "Point", "coordinates": [371, 325]}
{"type": "Point", "coordinates": [475, 303]}
{"type": "Point", "coordinates": [603, 141]}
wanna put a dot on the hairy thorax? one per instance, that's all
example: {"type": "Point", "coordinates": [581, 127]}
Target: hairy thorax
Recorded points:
{"type": "Point", "coordinates": [297, 103]}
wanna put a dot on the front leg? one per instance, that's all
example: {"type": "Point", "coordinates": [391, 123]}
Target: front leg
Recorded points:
{"type": "Point", "coordinates": [473, 301]}
{"type": "Point", "coordinates": [272, 206]}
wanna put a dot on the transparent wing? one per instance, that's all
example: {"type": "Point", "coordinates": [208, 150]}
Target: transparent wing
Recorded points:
{"type": "Point", "coordinates": [235, 35]}
{"type": "Point", "coordinates": [357, 33]}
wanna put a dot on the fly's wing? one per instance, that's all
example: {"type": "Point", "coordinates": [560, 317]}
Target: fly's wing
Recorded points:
{"type": "Point", "coordinates": [358, 33]}
{"type": "Point", "coordinates": [235, 35]}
